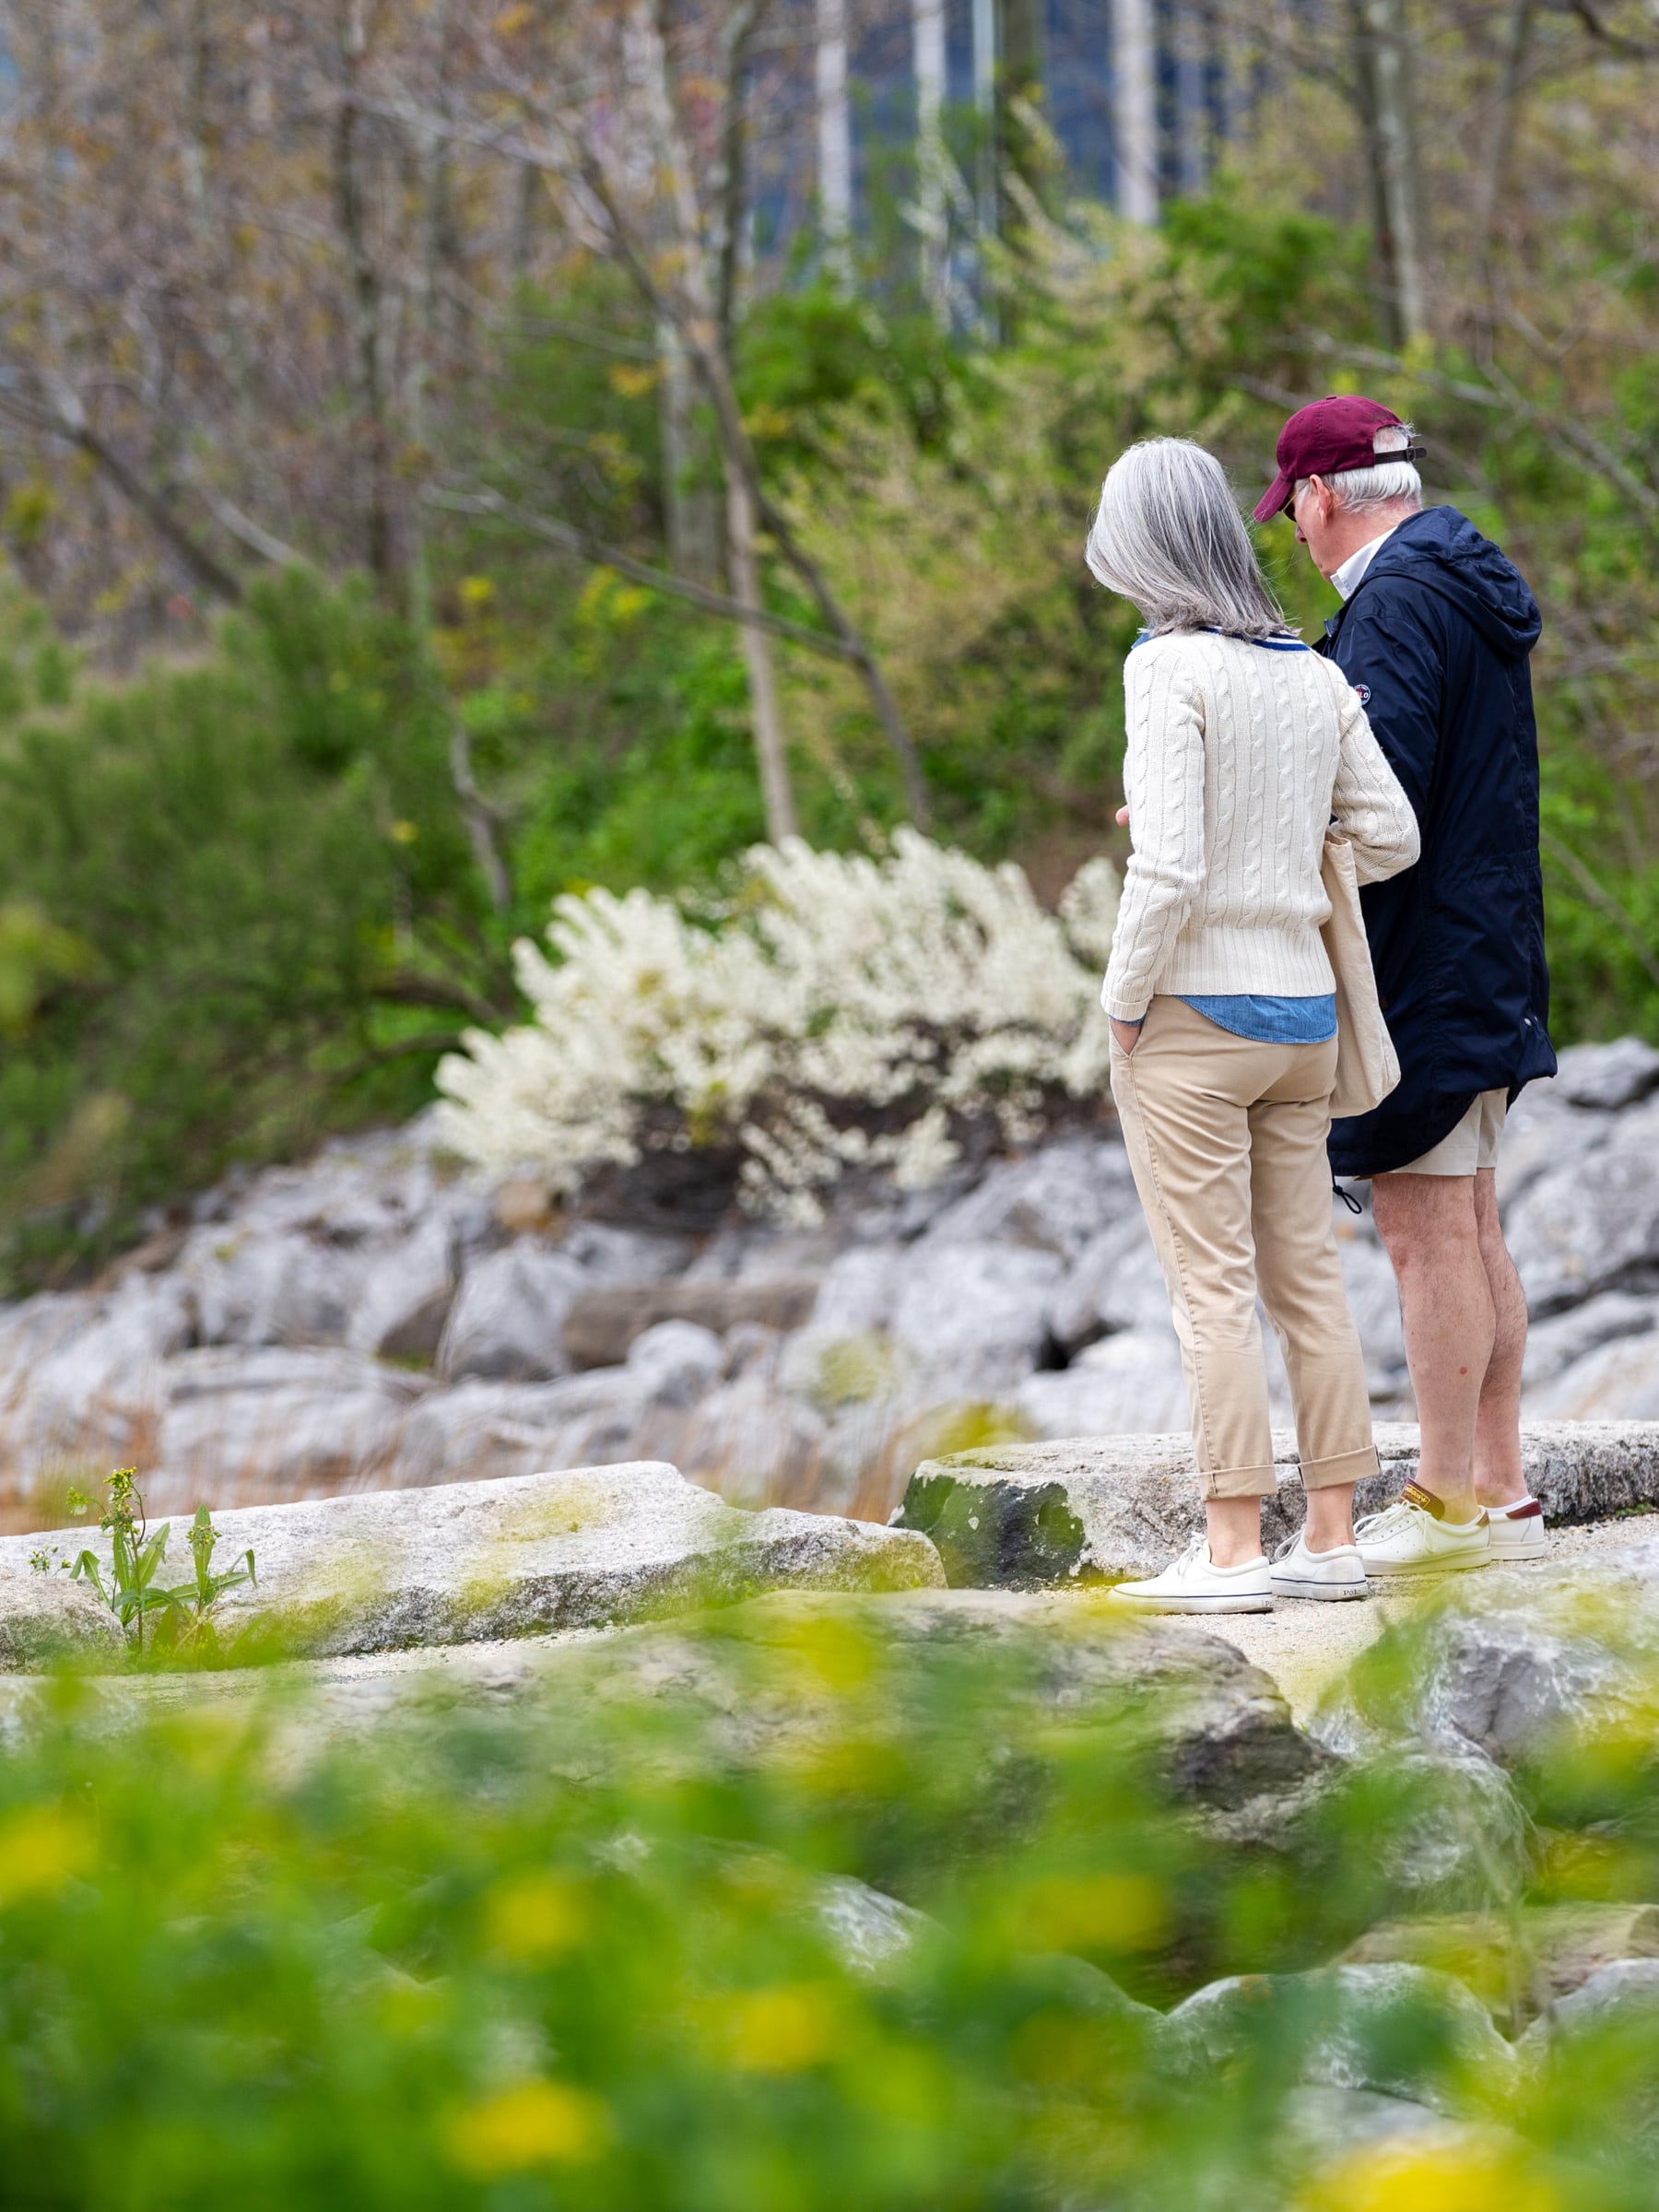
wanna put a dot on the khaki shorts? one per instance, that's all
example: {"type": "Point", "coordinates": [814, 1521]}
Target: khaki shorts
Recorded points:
{"type": "Point", "coordinates": [1472, 1145]}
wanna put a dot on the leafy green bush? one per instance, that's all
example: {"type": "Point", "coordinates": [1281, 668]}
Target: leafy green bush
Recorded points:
{"type": "Point", "coordinates": [240, 906]}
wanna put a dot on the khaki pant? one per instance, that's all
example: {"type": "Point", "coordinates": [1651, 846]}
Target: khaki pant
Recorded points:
{"type": "Point", "coordinates": [1227, 1141]}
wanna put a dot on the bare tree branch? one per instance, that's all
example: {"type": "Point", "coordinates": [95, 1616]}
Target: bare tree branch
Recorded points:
{"type": "Point", "coordinates": [64, 416]}
{"type": "Point", "coordinates": [585, 545]}
{"type": "Point", "coordinates": [244, 529]}
{"type": "Point", "coordinates": [1560, 429]}
{"type": "Point", "coordinates": [1615, 42]}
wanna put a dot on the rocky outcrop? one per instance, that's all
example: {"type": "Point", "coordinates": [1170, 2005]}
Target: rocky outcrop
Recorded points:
{"type": "Point", "coordinates": [1323, 2127]}
{"type": "Point", "coordinates": [1019, 1299]}
{"type": "Point", "coordinates": [870, 1930]}
{"type": "Point", "coordinates": [46, 1618]}
{"type": "Point", "coordinates": [1196, 1718]}
{"type": "Point", "coordinates": [1454, 1836]}
{"type": "Point", "coordinates": [605, 1325]}
{"type": "Point", "coordinates": [1020, 1516]}
{"type": "Point", "coordinates": [1389, 2030]}
{"type": "Point", "coordinates": [488, 1559]}
{"type": "Point", "coordinates": [1519, 1669]}
{"type": "Point", "coordinates": [1610, 2021]}
{"type": "Point", "coordinates": [1525, 1961]}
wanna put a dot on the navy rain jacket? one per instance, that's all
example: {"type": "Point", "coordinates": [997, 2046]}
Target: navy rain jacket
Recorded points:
{"type": "Point", "coordinates": [1436, 639]}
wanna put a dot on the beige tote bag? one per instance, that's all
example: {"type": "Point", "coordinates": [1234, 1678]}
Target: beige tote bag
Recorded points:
{"type": "Point", "coordinates": [1367, 1067]}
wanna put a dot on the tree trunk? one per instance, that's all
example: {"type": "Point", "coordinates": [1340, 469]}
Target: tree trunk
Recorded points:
{"type": "Point", "coordinates": [1363, 81]}
{"type": "Point", "coordinates": [984, 107]}
{"type": "Point", "coordinates": [480, 818]}
{"type": "Point", "coordinates": [1136, 105]}
{"type": "Point", "coordinates": [1217, 47]}
{"type": "Point", "coordinates": [1394, 148]}
{"type": "Point", "coordinates": [1019, 77]}
{"type": "Point", "coordinates": [1021, 44]}
{"type": "Point", "coordinates": [351, 202]}
{"type": "Point", "coordinates": [261, 97]}
{"type": "Point", "coordinates": [688, 472]}
{"type": "Point", "coordinates": [927, 26]}
{"type": "Point", "coordinates": [705, 331]}
{"type": "Point", "coordinates": [834, 135]}
{"type": "Point", "coordinates": [1517, 46]}
{"type": "Point", "coordinates": [770, 753]}
{"type": "Point", "coordinates": [1189, 27]}
{"type": "Point", "coordinates": [196, 132]}
{"type": "Point", "coordinates": [525, 190]}
{"type": "Point", "coordinates": [734, 236]}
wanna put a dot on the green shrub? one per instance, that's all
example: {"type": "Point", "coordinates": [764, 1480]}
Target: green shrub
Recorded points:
{"type": "Point", "coordinates": [242, 908]}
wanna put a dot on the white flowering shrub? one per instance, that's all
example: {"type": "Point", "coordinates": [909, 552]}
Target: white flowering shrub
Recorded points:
{"type": "Point", "coordinates": [833, 1012]}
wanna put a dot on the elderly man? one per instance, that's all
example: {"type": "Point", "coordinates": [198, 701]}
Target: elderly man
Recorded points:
{"type": "Point", "coordinates": [1434, 633]}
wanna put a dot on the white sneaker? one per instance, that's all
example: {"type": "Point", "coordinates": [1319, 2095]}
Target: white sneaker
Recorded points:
{"type": "Point", "coordinates": [1194, 1584]}
{"type": "Point", "coordinates": [1518, 1530]}
{"type": "Point", "coordinates": [1337, 1573]}
{"type": "Point", "coordinates": [1413, 1536]}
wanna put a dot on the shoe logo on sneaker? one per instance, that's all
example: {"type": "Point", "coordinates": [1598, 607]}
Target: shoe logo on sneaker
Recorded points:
{"type": "Point", "coordinates": [1531, 1510]}
{"type": "Point", "coordinates": [1415, 1494]}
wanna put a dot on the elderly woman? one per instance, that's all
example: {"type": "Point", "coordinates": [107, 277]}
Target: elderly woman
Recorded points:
{"type": "Point", "coordinates": [1244, 746]}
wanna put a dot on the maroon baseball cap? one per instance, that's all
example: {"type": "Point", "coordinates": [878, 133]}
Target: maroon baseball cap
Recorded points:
{"type": "Point", "coordinates": [1332, 434]}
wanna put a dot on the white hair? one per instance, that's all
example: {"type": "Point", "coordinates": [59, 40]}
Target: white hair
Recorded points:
{"type": "Point", "coordinates": [1361, 491]}
{"type": "Point", "coordinates": [1167, 534]}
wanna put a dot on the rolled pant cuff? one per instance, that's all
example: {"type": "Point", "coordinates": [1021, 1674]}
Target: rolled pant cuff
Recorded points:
{"type": "Point", "coordinates": [1346, 1466]}
{"type": "Point", "coordinates": [1238, 1482]}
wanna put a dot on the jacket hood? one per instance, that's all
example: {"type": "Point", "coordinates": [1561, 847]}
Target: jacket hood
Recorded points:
{"type": "Point", "coordinates": [1443, 550]}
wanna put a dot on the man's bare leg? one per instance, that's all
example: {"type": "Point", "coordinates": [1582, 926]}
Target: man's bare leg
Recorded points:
{"type": "Point", "coordinates": [1498, 1477]}
{"type": "Point", "coordinates": [1430, 1229]}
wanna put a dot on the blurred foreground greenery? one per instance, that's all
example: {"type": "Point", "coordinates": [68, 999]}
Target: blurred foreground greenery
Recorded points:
{"type": "Point", "coordinates": [581, 1947]}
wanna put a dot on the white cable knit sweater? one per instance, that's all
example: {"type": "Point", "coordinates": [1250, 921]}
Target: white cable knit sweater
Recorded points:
{"type": "Point", "coordinates": [1239, 755]}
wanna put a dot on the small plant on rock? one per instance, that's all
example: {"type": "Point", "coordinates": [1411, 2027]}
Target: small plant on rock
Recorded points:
{"type": "Point", "coordinates": [133, 1592]}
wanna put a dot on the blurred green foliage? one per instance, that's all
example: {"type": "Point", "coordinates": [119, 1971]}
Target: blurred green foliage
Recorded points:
{"type": "Point", "coordinates": [241, 1939]}
{"type": "Point", "coordinates": [238, 890]}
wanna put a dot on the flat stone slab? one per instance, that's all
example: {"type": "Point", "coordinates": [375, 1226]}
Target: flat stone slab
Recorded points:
{"type": "Point", "coordinates": [782, 1677]}
{"type": "Point", "coordinates": [470, 1561]}
{"type": "Point", "coordinates": [1024, 1516]}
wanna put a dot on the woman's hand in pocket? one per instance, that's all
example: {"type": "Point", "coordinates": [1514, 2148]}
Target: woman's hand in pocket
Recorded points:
{"type": "Point", "coordinates": [1128, 1034]}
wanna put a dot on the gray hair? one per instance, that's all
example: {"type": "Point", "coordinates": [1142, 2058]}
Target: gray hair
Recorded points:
{"type": "Point", "coordinates": [1363, 490]}
{"type": "Point", "coordinates": [1167, 534]}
